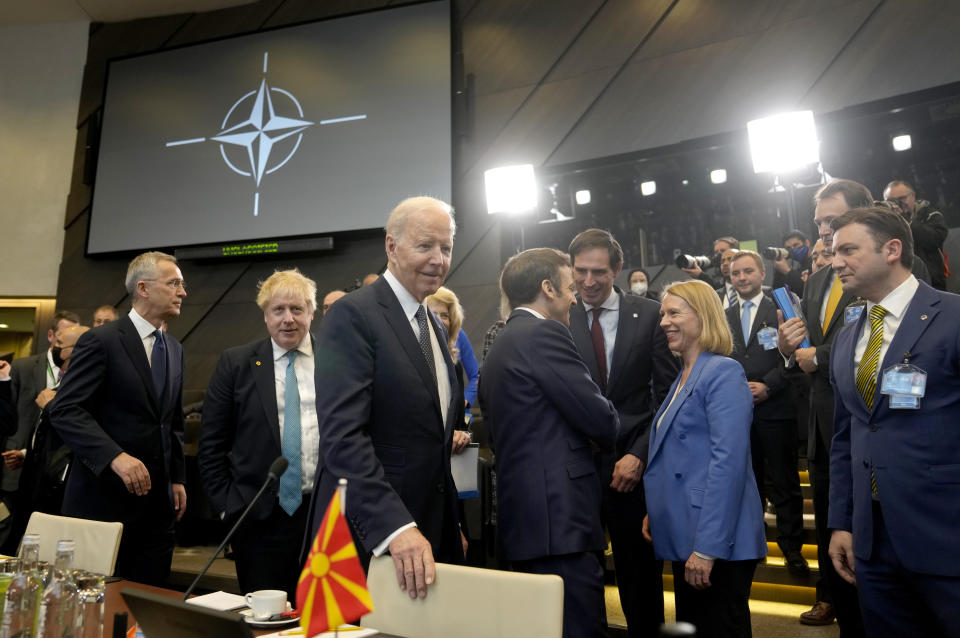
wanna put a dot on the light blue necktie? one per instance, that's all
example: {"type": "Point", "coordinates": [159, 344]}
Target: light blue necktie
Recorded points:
{"type": "Point", "coordinates": [745, 321]}
{"type": "Point", "coordinates": [290, 492]}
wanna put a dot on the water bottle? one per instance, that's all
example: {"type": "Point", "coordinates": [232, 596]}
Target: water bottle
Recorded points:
{"type": "Point", "coordinates": [60, 604]}
{"type": "Point", "coordinates": [23, 593]}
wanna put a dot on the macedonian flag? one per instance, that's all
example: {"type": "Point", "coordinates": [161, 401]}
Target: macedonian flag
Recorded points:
{"type": "Point", "coordinates": [332, 589]}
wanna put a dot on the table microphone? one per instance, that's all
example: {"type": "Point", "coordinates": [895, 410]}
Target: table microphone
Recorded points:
{"type": "Point", "coordinates": [278, 467]}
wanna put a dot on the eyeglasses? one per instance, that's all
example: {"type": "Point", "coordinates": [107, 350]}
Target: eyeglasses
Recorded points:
{"type": "Point", "coordinates": [173, 284]}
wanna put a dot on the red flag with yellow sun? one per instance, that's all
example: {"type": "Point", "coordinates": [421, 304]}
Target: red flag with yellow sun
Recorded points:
{"type": "Point", "coordinates": [332, 589]}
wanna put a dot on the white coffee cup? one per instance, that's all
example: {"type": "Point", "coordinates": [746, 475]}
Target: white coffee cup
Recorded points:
{"type": "Point", "coordinates": [266, 603]}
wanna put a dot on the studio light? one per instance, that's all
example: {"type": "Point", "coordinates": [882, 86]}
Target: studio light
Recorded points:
{"type": "Point", "coordinates": [685, 182]}
{"type": "Point", "coordinates": [902, 143]}
{"type": "Point", "coordinates": [3, 325]}
{"type": "Point", "coordinates": [648, 188]}
{"type": "Point", "coordinates": [718, 176]}
{"type": "Point", "coordinates": [784, 142]}
{"type": "Point", "coordinates": [510, 189]}
{"type": "Point", "coordinates": [582, 197]}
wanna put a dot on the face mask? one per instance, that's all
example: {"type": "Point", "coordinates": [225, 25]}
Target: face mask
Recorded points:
{"type": "Point", "coordinates": [800, 252]}
{"type": "Point", "coordinates": [58, 360]}
{"type": "Point", "coordinates": [638, 287]}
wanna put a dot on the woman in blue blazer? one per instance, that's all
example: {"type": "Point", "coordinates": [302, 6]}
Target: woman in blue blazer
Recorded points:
{"type": "Point", "coordinates": [704, 510]}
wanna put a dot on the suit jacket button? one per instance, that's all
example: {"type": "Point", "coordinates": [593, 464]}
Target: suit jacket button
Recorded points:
{"type": "Point", "coordinates": [865, 464]}
{"type": "Point", "coordinates": [682, 437]}
{"type": "Point", "coordinates": [678, 475]}
{"type": "Point", "coordinates": [441, 488]}
{"type": "Point", "coordinates": [874, 427]}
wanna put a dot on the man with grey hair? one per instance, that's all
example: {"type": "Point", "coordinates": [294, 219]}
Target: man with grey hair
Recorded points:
{"type": "Point", "coordinates": [119, 411]}
{"type": "Point", "coordinates": [387, 406]}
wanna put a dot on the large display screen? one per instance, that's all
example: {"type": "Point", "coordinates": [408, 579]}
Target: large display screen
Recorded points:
{"type": "Point", "coordinates": [310, 129]}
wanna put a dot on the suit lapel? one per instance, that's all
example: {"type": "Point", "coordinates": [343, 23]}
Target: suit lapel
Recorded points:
{"type": "Point", "coordinates": [673, 408]}
{"type": "Point", "coordinates": [921, 311]}
{"type": "Point", "coordinates": [440, 333]}
{"type": "Point", "coordinates": [581, 337]}
{"type": "Point", "coordinates": [133, 344]}
{"type": "Point", "coordinates": [40, 372]}
{"type": "Point", "coordinates": [393, 313]}
{"type": "Point", "coordinates": [264, 376]}
{"type": "Point", "coordinates": [626, 332]}
{"type": "Point", "coordinates": [766, 316]}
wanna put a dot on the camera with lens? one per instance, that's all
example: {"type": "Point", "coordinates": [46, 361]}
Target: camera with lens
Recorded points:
{"type": "Point", "coordinates": [775, 254]}
{"type": "Point", "coordinates": [689, 261]}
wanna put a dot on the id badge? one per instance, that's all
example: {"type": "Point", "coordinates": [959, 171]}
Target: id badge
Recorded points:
{"type": "Point", "coordinates": [851, 314]}
{"type": "Point", "coordinates": [904, 379]}
{"type": "Point", "coordinates": [767, 338]}
{"type": "Point", "coordinates": [904, 402]}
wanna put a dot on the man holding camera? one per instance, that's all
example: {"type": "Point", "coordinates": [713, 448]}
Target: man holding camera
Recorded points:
{"type": "Point", "coordinates": [928, 228]}
{"type": "Point", "coordinates": [791, 264]}
{"type": "Point", "coordinates": [694, 266]}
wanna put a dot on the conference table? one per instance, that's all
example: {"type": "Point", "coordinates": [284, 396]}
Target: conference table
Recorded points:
{"type": "Point", "coordinates": [113, 603]}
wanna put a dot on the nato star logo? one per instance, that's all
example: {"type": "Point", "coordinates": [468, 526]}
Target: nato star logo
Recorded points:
{"type": "Point", "coordinates": [261, 132]}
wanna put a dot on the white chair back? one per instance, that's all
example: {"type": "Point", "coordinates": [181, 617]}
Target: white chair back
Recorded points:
{"type": "Point", "coordinates": [97, 541]}
{"type": "Point", "coordinates": [467, 602]}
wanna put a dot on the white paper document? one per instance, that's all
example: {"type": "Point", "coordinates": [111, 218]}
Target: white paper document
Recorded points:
{"type": "Point", "coordinates": [219, 600]}
{"type": "Point", "coordinates": [463, 466]}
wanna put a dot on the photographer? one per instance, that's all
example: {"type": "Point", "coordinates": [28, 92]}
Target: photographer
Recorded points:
{"type": "Point", "coordinates": [719, 246]}
{"type": "Point", "coordinates": [927, 226]}
{"type": "Point", "coordinates": [791, 265]}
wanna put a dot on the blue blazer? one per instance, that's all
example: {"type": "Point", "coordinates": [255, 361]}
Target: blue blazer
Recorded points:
{"type": "Point", "coordinates": [700, 488]}
{"type": "Point", "coordinates": [915, 453]}
{"type": "Point", "coordinates": [545, 414]}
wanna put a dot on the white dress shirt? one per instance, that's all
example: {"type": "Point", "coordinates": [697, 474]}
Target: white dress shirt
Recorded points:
{"type": "Point", "coordinates": [147, 331]}
{"type": "Point", "coordinates": [609, 320]}
{"type": "Point", "coordinates": [896, 304]}
{"type": "Point", "coordinates": [53, 371]}
{"type": "Point", "coordinates": [303, 366]}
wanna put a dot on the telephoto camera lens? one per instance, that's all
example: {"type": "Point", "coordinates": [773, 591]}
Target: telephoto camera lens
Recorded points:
{"type": "Point", "coordinates": [775, 253]}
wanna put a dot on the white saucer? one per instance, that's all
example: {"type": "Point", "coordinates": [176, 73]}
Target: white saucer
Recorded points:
{"type": "Point", "coordinates": [266, 624]}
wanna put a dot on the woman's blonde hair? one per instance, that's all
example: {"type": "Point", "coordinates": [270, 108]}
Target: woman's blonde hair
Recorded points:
{"type": "Point", "coordinates": [455, 310]}
{"type": "Point", "coordinates": [715, 333]}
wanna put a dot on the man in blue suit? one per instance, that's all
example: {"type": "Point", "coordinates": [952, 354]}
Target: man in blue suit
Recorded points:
{"type": "Point", "coordinates": [386, 403]}
{"type": "Point", "coordinates": [895, 460]}
{"type": "Point", "coordinates": [546, 416]}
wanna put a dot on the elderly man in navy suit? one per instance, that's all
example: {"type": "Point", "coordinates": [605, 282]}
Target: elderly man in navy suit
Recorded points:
{"type": "Point", "coordinates": [546, 416]}
{"type": "Point", "coordinates": [261, 403]}
{"type": "Point", "coordinates": [120, 412]}
{"type": "Point", "coordinates": [895, 460]}
{"type": "Point", "coordinates": [387, 403]}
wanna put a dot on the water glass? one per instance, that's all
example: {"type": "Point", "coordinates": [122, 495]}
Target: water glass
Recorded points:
{"type": "Point", "coordinates": [8, 568]}
{"type": "Point", "coordinates": [92, 593]}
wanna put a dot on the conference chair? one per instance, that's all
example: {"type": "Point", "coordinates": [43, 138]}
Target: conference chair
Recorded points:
{"type": "Point", "coordinates": [97, 541]}
{"type": "Point", "coordinates": [467, 602]}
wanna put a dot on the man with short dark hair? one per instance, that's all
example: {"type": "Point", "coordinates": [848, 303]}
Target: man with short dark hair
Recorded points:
{"type": "Point", "coordinates": [620, 340]}
{"type": "Point", "coordinates": [545, 414]}
{"type": "Point", "coordinates": [261, 404]}
{"type": "Point", "coordinates": [120, 412]}
{"type": "Point", "coordinates": [104, 314]}
{"type": "Point", "coordinates": [773, 435]}
{"type": "Point", "coordinates": [893, 464]}
{"type": "Point", "coordinates": [727, 292]}
{"type": "Point", "coordinates": [793, 269]}
{"type": "Point", "coordinates": [927, 225]}
{"type": "Point", "coordinates": [823, 310]}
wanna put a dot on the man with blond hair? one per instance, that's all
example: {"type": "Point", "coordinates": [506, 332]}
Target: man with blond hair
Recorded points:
{"type": "Point", "coordinates": [388, 404]}
{"type": "Point", "coordinates": [260, 403]}
{"type": "Point", "coordinates": [120, 412]}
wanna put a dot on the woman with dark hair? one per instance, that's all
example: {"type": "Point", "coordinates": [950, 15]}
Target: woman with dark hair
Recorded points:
{"type": "Point", "coordinates": [638, 282]}
{"type": "Point", "coordinates": [703, 506]}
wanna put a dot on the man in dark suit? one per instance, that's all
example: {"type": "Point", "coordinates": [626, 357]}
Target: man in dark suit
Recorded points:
{"type": "Point", "coordinates": [261, 403]}
{"type": "Point", "coordinates": [31, 377]}
{"type": "Point", "coordinates": [895, 477]}
{"type": "Point", "coordinates": [8, 409]}
{"type": "Point", "coordinates": [386, 403]}
{"type": "Point", "coordinates": [545, 414]}
{"type": "Point", "coordinates": [773, 434]}
{"type": "Point", "coordinates": [823, 306]}
{"type": "Point", "coordinates": [120, 412]}
{"type": "Point", "coordinates": [627, 355]}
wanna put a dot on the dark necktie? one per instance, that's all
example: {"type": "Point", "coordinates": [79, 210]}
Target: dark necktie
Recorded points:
{"type": "Point", "coordinates": [425, 346]}
{"type": "Point", "coordinates": [731, 295]}
{"type": "Point", "coordinates": [158, 364]}
{"type": "Point", "coordinates": [599, 347]}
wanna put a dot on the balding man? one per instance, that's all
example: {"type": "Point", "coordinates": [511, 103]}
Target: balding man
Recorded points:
{"type": "Point", "coordinates": [330, 298]}
{"type": "Point", "coordinates": [388, 403]}
{"type": "Point", "coordinates": [104, 314]}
